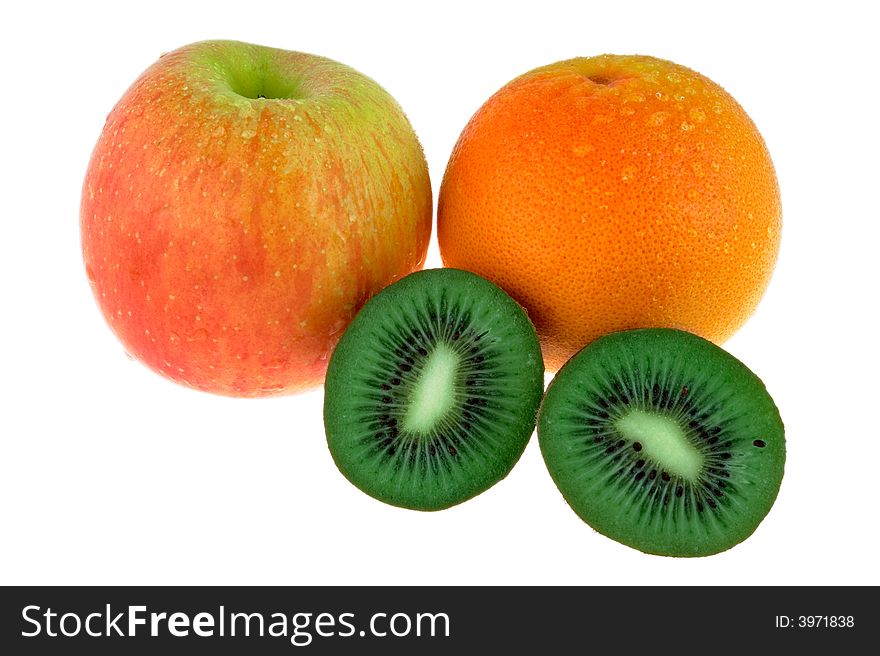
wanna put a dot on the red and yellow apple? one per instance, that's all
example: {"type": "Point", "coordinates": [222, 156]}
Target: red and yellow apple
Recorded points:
{"type": "Point", "coordinates": [241, 205]}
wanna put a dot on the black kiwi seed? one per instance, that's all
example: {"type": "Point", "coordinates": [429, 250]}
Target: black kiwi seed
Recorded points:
{"type": "Point", "coordinates": [686, 421]}
{"type": "Point", "coordinates": [450, 366]}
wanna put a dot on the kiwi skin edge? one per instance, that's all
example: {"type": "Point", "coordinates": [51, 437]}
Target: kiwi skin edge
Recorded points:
{"type": "Point", "coordinates": [634, 518]}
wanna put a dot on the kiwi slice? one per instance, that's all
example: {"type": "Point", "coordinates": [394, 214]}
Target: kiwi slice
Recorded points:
{"type": "Point", "coordinates": [432, 393]}
{"type": "Point", "coordinates": [663, 441]}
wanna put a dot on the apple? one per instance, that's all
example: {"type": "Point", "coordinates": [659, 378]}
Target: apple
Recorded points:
{"type": "Point", "coordinates": [241, 204]}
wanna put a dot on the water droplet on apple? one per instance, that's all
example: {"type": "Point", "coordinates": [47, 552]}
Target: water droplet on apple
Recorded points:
{"type": "Point", "coordinates": [199, 335]}
{"type": "Point", "coordinates": [275, 365]}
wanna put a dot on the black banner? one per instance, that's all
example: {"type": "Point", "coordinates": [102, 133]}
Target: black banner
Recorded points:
{"type": "Point", "coordinates": [435, 620]}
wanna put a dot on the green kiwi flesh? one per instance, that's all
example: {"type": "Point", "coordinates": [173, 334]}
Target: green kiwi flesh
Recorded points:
{"type": "Point", "coordinates": [432, 393]}
{"type": "Point", "coordinates": [663, 441]}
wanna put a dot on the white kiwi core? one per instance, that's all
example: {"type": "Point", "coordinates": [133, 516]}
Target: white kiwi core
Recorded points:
{"type": "Point", "coordinates": [433, 394]}
{"type": "Point", "coordinates": [662, 440]}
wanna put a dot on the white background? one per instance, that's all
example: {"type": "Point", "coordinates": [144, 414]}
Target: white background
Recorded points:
{"type": "Point", "coordinates": [109, 474]}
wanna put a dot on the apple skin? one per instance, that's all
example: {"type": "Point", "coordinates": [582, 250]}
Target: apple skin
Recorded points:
{"type": "Point", "coordinates": [230, 238]}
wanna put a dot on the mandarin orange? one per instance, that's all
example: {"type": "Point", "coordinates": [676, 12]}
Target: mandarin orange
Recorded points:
{"type": "Point", "coordinates": [611, 193]}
